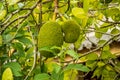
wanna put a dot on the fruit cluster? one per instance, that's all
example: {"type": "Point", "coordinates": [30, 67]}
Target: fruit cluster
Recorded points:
{"type": "Point", "coordinates": [53, 34]}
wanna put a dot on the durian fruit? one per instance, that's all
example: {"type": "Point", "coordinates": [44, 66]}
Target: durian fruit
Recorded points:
{"type": "Point", "coordinates": [71, 31]}
{"type": "Point", "coordinates": [50, 35]}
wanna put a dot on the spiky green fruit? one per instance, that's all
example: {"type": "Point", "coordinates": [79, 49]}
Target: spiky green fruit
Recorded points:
{"type": "Point", "coordinates": [50, 35]}
{"type": "Point", "coordinates": [71, 31]}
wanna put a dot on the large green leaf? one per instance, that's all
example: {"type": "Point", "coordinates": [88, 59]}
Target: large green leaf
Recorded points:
{"type": "Point", "coordinates": [42, 76]}
{"type": "Point", "coordinates": [80, 67]}
{"type": "Point", "coordinates": [15, 67]}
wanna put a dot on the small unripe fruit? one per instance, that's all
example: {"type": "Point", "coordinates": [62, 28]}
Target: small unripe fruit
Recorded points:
{"type": "Point", "coordinates": [71, 31]}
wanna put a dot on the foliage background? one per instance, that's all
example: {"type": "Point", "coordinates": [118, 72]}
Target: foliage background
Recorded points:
{"type": "Point", "coordinates": [20, 22]}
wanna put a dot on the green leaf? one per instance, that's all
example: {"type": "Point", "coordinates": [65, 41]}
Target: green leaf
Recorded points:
{"type": "Point", "coordinates": [80, 67]}
{"type": "Point", "coordinates": [98, 35]}
{"type": "Point", "coordinates": [15, 67]}
{"type": "Point", "coordinates": [101, 64]}
{"type": "Point", "coordinates": [47, 48]}
{"type": "Point", "coordinates": [86, 5]}
{"type": "Point", "coordinates": [115, 31]}
{"type": "Point", "coordinates": [73, 54]}
{"type": "Point", "coordinates": [101, 42]}
{"type": "Point", "coordinates": [91, 63]}
{"type": "Point", "coordinates": [78, 12]}
{"type": "Point", "coordinates": [107, 55]}
{"type": "Point", "coordinates": [29, 52]}
{"type": "Point", "coordinates": [19, 47]}
{"type": "Point", "coordinates": [70, 75]}
{"type": "Point", "coordinates": [92, 56]}
{"type": "Point", "coordinates": [57, 76]}
{"type": "Point", "coordinates": [106, 48]}
{"type": "Point", "coordinates": [2, 14]}
{"type": "Point", "coordinates": [24, 40]}
{"type": "Point", "coordinates": [42, 76]}
{"type": "Point", "coordinates": [97, 72]}
{"type": "Point", "coordinates": [108, 75]}
{"type": "Point", "coordinates": [56, 68]}
{"type": "Point", "coordinates": [7, 74]}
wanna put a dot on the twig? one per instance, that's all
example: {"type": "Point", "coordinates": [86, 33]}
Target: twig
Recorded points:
{"type": "Point", "coordinates": [25, 16]}
{"type": "Point", "coordinates": [35, 47]}
{"type": "Point", "coordinates": [84, 54]}
{"type": "Point", "coordinates": [55, 9]}
{"type": "Point", "coordinates": [99, 47]}
{"type": "Point", "coordinates": [34, 52]}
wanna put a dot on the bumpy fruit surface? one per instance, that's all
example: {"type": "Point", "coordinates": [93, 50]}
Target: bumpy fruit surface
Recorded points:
{"type": "Point", "coordinates": [71, 31]}
{"type": "Point", "coordinates": [50, 35]}
{"type": "Point", "coordinates": [105, 1]}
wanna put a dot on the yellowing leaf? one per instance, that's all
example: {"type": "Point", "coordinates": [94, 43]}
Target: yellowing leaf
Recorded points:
{"type": "Point", "coordinates": [2, 14]}
{"type": "Point", "coordinates": [12, 2]}
{"type": "Point", "coordinates": [7, 74]}
{"type": "Point", "coordinates": [86, 5]}
{"type": "Point", "coordinates": [100, 16]}
{"type": "Point", "coordinates": [78, 12]}
{"type": "Point", "coordinates": [70, 75]}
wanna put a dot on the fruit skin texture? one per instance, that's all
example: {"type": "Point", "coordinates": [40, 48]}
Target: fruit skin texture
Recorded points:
{"type": "Point", "coordinates": [105, 1]}
{"type": "Point", "coordinates": [50, 35]}
{"type": "Point", "coordinates": [71, 31]}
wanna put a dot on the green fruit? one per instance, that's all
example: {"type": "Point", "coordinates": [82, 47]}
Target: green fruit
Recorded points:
{"type": "Point", "coordinates": [50, 35]}
{"type": "Point", "coordinates": [105, 1]}
{"type": "Point", "coordinates": [71, 31]}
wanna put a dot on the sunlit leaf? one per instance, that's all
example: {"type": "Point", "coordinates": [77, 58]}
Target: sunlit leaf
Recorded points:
{"type": "Point", "coordinates": [92, 56]}
{"type": "Point", "coordinates": [86, 5]}
{"type": "Point", "coordinates": [2, 14]}
{"type": "Point", "coordinates": [70, 75]}
{"type": "Point", "coordinates": [7, 74]}
{"type": "Point", "coordinates": [12, 2]}
{"type": "Point", "coordinates": [15, 67]}
{"type": "Point", "coordinates": [78, 12]}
